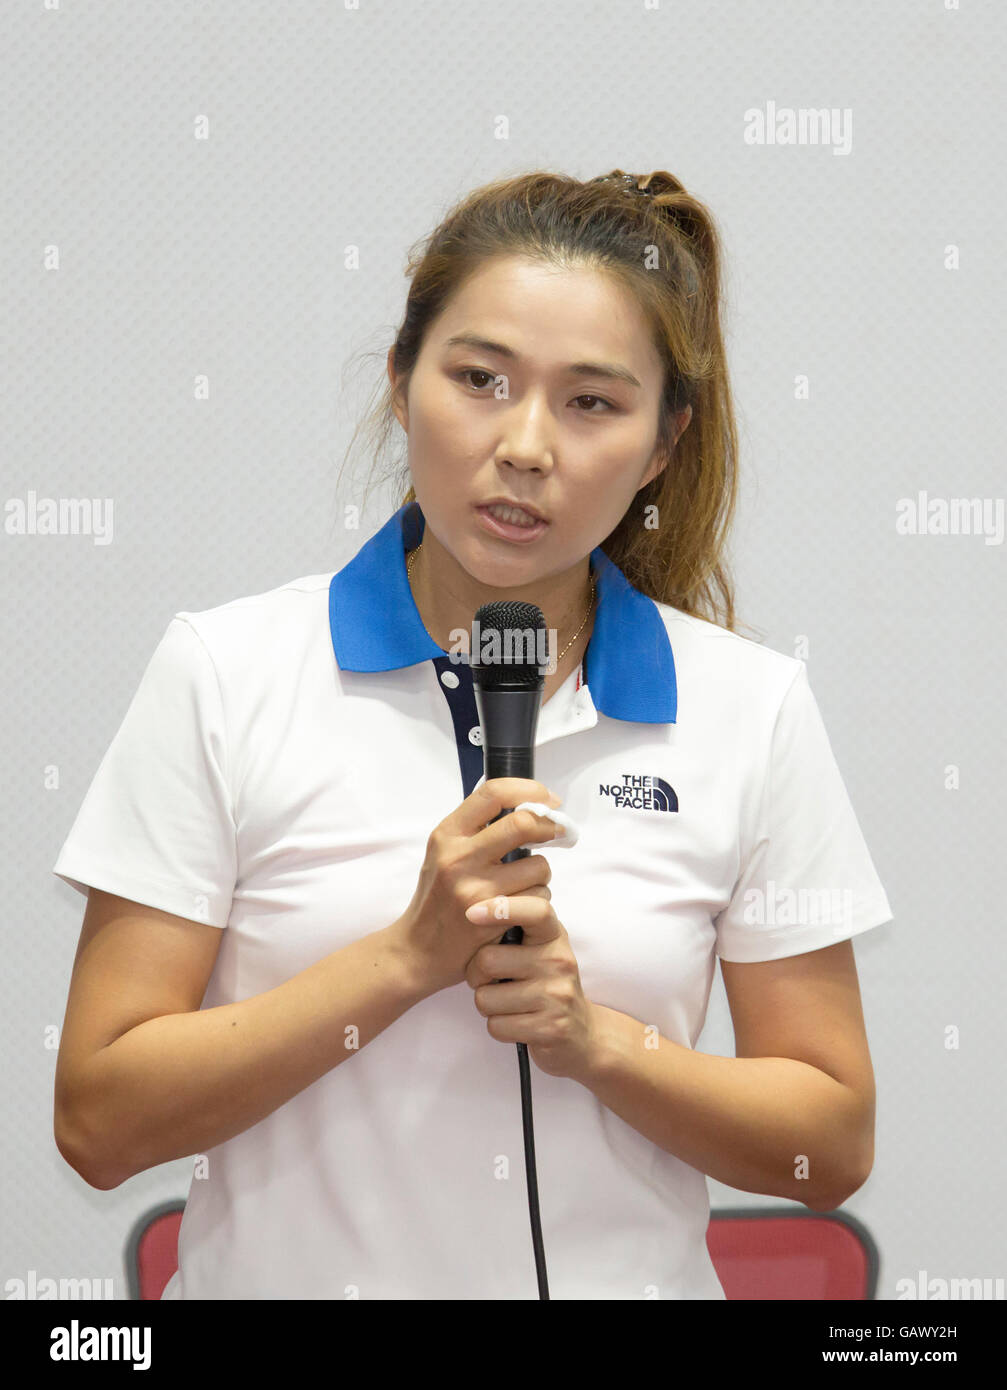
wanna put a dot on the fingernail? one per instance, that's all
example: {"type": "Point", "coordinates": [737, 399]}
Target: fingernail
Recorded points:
{"type": "Point", "coordinates": [478, 912]}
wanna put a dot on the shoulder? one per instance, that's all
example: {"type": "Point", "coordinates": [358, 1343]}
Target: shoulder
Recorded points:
{"type": "Point", "coordinates": [263, 632]}
{"type": "Point", "coordinates": [733, 673]}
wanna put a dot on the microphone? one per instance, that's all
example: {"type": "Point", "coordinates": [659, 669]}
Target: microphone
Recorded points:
{"type": "Point", "coordinates": [508, 683]}
{"type": "Point", "coordinates": [508, 691]}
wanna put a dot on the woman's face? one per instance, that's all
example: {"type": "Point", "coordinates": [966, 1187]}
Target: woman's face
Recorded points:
{"type": "Point", "coordinates": [562, 414]}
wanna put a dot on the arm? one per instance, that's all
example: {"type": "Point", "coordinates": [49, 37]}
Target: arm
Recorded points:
{"type": "Point", "coordinates": [185, 1082]}
{"type": "Point", "coordinates": [742, 1120]}
{"type": "Point", "coordinates": [801, 1084]}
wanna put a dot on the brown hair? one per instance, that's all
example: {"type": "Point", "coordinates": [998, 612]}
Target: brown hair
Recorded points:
{"type": "Point", "coordinates": [665, 249]}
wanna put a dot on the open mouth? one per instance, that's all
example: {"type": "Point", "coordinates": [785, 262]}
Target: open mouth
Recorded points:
{"type": "Point", "coordinates": [510, 523]}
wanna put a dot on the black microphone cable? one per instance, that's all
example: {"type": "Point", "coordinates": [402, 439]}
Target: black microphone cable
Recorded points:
{"type": "Point", "coordinates": [514, 936]}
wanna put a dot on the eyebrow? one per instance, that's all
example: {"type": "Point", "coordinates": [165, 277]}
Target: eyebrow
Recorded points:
{"type": "Point", "coordinates": [605, 369]}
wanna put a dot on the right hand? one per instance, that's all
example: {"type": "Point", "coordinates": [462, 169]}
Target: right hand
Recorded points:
{"type": "Point", "coordinates": [462, 867]}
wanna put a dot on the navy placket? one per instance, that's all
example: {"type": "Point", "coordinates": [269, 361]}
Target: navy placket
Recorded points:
{"type": "Point", "coordinates": [455, 679]}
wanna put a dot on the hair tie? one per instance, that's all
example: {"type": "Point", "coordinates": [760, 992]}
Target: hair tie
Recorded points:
{"type": "Point", "coordinates": [647, 192]}
{"type": "Point", "coordinates": [626, 181]}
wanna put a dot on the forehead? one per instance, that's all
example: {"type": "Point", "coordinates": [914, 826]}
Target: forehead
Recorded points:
{"type": "Point", "coordinates": [552, 315]}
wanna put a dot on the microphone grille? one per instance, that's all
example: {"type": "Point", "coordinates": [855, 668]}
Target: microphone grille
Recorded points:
{"type": "Point", "coordinates": [507, 645]}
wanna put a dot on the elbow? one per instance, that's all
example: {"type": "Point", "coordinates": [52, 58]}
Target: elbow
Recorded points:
{"type": "Point", "coordinates": [103, 1183]}
{"type": "Point", "coordinates": [77, 1154]}
{"type": "Point", "coordinates": [72, 1157]}
{"type": "Point", "coordinates": [822, 1205]}
{"type": "Point", "coordinates": [860, 1163]}
{"type": "Point", "coordinates": [842, 1192]}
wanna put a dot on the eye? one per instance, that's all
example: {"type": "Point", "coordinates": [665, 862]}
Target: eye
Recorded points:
{"type": "Point", "coordinates": [476, 371]}
{"type": "Point", "coordinates": [607, 404]}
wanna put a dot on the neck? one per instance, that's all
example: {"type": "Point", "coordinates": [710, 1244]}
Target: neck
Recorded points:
{"type": "Point", "coordinates": [447, 598]}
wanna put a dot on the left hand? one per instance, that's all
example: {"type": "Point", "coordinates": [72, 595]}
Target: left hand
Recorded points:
{"type": "Point", "coordinates": [541, 1002]}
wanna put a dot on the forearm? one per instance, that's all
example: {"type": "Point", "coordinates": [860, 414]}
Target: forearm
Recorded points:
{"type": "Point", "coordinates": [183, 1083]}
{"type": "Point", "coordinates": [744, 1121]}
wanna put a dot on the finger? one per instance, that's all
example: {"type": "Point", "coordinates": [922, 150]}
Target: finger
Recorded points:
{"type": "Point", "coordinates": [486, 802]}
{"type": "Point", "coordinates": [511, 880]}
{"type": "Point", "coordinates": [532, 912]}
{"type": "Point", "coordinates": [496, 961]}
{"type": "Point", "coordinates": [517, 962]}
{"type": "Point", "coordinates": [514, 1028]}
{"type": "Point", "coordinates": [511, 831]}
{"type": "Point", "coordinates": [509, 997]}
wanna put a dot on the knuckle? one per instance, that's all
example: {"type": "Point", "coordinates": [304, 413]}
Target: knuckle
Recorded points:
{"type": "Point", "coordinates": [468, 892]}
{"type": "Point", "coordinates": [438, 842]}
{"type": "Point", "coordinates": [443, 876]}
{"type": "Point", "coordinates": [450, 857]}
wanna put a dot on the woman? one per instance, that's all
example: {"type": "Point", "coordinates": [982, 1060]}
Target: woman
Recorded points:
{"type": "Point", "coordinates": [278, 823]}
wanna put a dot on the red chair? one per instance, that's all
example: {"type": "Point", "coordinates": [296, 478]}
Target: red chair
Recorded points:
{"type": "Point", "coordinates": [779, 1253]}
{"type": "Point", "coordinates": [152, 1250]}
{"type": "Point", "coordinates": [758, 1253]}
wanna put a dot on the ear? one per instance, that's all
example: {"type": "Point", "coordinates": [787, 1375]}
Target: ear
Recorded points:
{"type": "Point", "coordinates": [398, 401]}
{"type": "Point", "coordinates": [659, 461]}
{"type": "Point", "coordinates": [682, 423]}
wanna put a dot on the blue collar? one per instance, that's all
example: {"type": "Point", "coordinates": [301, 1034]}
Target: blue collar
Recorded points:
{"type": "Point", "coordinates": [376, 625]}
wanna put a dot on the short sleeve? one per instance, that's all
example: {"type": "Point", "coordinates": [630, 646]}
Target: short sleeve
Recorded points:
{"type": "Point", "coordinates": [156, 824]}
{"type": "Point", "coordinates": [808, 880]}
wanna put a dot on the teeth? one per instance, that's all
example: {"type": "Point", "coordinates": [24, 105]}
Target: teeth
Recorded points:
{"type": "Point", "coordinates": [512, 515]}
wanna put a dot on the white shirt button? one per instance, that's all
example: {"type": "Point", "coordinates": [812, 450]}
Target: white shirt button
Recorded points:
{"type": "Point", "coordinates": [476, 736]}
{"type": "Point", "coordinates": [449, 679]}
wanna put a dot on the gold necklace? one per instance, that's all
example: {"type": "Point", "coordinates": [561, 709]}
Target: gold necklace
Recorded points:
{"type": "Point", "coordinates": [409, 576]}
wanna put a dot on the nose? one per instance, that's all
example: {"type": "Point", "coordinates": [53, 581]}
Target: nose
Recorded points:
{"type": "Point", "coordinates": [527, 438]}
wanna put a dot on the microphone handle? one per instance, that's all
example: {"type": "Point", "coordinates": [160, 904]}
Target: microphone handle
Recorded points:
{"type": "Point", "coordinates": [510, 762]}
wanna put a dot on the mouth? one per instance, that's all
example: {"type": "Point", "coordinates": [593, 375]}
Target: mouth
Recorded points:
{"type": "Point", "coordinates": [511, 523]}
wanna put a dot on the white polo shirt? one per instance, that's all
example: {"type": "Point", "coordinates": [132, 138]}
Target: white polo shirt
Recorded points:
{"type": "Point", "coordinates": [277, 775]}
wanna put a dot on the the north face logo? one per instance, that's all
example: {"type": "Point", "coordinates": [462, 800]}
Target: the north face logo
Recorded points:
{"type": "Point", "coordinates": [643, 793]}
